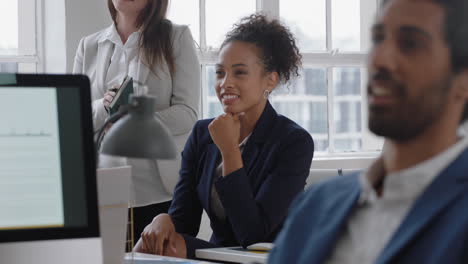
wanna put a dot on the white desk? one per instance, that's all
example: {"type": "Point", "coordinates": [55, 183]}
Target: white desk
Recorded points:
{"type": "Point", "coordinates": [232, 254]}
{"type": "Point", "coordinates": [140, 258]}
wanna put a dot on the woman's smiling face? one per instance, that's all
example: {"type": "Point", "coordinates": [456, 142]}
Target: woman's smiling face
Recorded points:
{"type": "Point", "coordinates": [241, 80]}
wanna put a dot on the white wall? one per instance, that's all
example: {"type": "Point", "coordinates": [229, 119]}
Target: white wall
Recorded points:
{"type": "Point", "coordinates": [65, 22]}
{"type": "Point", "coordinates": [83, 18]}
{"type": "Point", "coordinates": [54, 41]}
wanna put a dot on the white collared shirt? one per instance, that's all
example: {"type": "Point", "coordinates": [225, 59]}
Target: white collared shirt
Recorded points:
{"type": "Point", "coordinates": [375, 219]}
{"type": "Point", "coordinates": [146, 185]}
{"type": "Point", "coordinates": [177, 99]}
{"type": "Point", "coordinates": [463, 129]}
{"type": "Point", "coordinates": [124, 60]}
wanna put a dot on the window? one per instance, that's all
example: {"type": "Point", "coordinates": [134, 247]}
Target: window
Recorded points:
{"type": "Point", "coordinates": [18, 49]}
{"type": "Point", "coordinates": [328, 99]}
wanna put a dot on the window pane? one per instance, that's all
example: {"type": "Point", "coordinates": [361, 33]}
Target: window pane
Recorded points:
{"type": "Point", "coordinates": [221, 15]}
{"type": "Point", "coordinates": [347, 81]}
{"type": "Point", "coordinates": [8, 27]}
{"type": "Point", "coordinates": [305, 102]}
{"type": "Point", "coordinates": [312, 81]}
{"type": "Point", "coordinates": [210, 80]}
{"type": "Point", "coordinates": [8, 67]}
{"type": "Point", "coordinates": [311, 115]}
{"type": "Point", "coordinates": [212, 107]}
{"type": "Point", "coordinates": [186, 12]}
{"type": "Point", "coordinates": [347, 109]}
{"type": "Point", "coordinates": [345, 145]}
{"type": "Point", "coordinates": [307, 21]}
{"type": "Point", "coordinates": [346, 25]}
{"type": "Point", "coordinates": [27, 67]}
{"type": "Point", "coordinates": [14, 67]}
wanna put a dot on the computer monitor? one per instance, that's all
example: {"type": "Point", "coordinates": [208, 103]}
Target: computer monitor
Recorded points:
{"type": "Point", "coordinates": [48, 197]}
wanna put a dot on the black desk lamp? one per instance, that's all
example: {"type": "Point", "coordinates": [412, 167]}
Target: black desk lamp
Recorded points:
{"type": "Point", "coordinates": [137, 133]}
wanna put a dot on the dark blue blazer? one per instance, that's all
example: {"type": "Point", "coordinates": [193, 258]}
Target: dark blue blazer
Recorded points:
{"type": "Point", "coordinates": [434, 231]}
{"type": "Point", "coordinates": [256, 198]}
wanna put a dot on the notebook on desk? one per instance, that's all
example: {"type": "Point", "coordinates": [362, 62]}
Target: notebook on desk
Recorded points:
{"type": "Point", "coordinates": [156, 261]}
{"type": "Point", "coordinates": [141, 258]}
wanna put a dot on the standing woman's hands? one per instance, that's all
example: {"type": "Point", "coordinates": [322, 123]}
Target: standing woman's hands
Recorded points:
{"type": "Point", "coordinates": [109, 96]}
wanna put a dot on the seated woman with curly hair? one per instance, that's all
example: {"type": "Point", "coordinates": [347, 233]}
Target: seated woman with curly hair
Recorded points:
{"type": "Point", "coordinates": [245, 166]}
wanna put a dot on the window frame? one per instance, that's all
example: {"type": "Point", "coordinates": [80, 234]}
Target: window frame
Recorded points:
{"type": "Point", "coordinates": [329, 59]}
{"type": "Point", "coordinates": [29, 38]}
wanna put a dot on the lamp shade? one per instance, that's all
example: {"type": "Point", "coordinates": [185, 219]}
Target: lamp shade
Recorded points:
{"type": "Point", "coordinates": [139, 134]}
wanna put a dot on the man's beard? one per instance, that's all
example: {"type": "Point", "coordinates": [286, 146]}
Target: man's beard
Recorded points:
{"type": "Point", "coordinates": [410, 117]}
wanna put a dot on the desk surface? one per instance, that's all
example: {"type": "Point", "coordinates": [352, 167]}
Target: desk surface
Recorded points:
{"type": "Point", "coordinates": [140, 258]}
{"type": "Point", "coordinates": [232, 254]}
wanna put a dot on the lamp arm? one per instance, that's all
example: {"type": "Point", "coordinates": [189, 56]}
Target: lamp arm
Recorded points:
{"type": "Point", "coordinates": [116, 116]}
{"type": "Point", "coordinates": [123, 110]}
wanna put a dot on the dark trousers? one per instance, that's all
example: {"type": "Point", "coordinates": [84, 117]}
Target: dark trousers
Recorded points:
{"type": "Point", "coordinates": [142, 216]}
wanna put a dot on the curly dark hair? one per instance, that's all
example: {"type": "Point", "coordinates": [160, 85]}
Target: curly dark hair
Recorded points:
{"type": "Point", "coordinates": [276, 43]}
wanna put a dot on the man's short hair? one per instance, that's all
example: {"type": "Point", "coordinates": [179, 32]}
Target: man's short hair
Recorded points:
{"type": "Point", "coordinates": [456, 35]}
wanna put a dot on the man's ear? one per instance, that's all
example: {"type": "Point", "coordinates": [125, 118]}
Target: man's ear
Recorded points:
{"type": "Point", "coordinates": [272, 81]}
{"type": "Point", "coordinates": [461, 85]}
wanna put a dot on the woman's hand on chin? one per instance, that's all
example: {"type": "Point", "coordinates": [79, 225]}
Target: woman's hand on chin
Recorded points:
{"type": "Point", "coordinates": [225, 131]}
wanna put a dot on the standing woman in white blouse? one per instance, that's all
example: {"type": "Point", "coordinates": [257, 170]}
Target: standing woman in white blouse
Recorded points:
{"type": "Point", "coordinates": [160, 55]}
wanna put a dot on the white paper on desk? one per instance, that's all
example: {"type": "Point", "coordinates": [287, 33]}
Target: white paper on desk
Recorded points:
{"type": "Point", "coordinates": [141, 258]}
{"type": "Point", "coordinates": [113, 194]}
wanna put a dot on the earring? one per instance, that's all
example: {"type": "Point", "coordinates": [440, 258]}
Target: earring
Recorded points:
{"type": "Point", "coordinates": [266, 94]}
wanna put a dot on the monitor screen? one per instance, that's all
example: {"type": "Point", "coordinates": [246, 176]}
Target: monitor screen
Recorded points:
{"type": "Point", "coordinates": [47, 159]}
